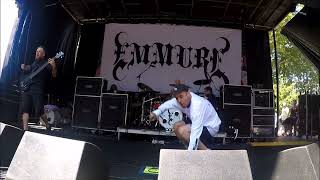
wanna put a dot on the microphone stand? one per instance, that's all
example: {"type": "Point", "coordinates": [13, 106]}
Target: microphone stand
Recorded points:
{"type": "Point", "coordinates": [139, 76]}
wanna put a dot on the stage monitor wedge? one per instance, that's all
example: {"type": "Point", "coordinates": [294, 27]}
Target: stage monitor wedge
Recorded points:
{"type": "Point", "coordinates": [214, 164]}
{"type": "Point", "coordinates": [43, 157]}
{"type": "Point", "coordinates": [10, 138]}
{"type": "Point", "coordinates": [298, 163]}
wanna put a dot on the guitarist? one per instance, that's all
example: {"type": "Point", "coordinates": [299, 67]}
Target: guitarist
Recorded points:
{"type": "Point", "coordinates": [33, 96]}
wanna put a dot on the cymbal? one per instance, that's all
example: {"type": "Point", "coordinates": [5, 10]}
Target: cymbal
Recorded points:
{"type": "Point", "coordinates": [201, 82]}
{"type": "Point", "coordinates": [144, 87]}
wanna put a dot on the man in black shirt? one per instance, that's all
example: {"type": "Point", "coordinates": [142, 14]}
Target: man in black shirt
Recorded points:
{"type": "Point", "coordinates": [34, 95]}
{"type": "Point", "coordinates": [211, 97]}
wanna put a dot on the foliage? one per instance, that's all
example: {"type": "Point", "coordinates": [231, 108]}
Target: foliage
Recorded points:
{"type": "Point", "coordinates": [296, 73]}
{"type": "Point", "coordinates": [287, 93]}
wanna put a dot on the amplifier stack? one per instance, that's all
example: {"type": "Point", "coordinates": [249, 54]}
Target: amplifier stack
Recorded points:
{"type": "Point", "coordinates": [237, 110]}
{"type": "Point", "coordinates": [93, 109]}
{"type": "Point", "coordinates": [263, 123]}
{"type": "Point", "coordinates": [246, 112]}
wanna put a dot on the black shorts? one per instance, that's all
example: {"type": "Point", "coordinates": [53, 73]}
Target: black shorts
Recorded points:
{"type": "Point", "coordinates": [34, 100]}
{"type": "Point", "coordinates": [205, 136]}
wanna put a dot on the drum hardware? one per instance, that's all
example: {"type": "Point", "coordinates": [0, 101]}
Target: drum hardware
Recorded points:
{"type": "Point", "coordinates": [53, 115]}
{"type": "Point", "coordinates": [144, 87]}
{"type": "Point", "coordinates": [144, 115]}
{"type": "Point", "coordinates": [146, 90]}
{"type": "Point", "coordinates": [150, 103]}
{"type": "Point", "coordinates": [201, 82]}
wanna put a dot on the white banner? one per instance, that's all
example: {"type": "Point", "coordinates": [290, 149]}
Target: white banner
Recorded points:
{"type": "Point", "coordinates": [159, 54]}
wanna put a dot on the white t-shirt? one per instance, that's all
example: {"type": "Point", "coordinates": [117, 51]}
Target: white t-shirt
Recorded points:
{"type": "Point", "coordinates": [284, 113]}
{"type": "Point", "coordinates": [200, 112]}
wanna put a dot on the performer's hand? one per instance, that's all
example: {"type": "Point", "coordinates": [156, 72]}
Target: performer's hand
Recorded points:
{"type": "Point", "coordinates": [25, 67]}
{"type": "Point", "coordinates": [52, 62]}
{"type": "Point", "coordinates": [153, 117]}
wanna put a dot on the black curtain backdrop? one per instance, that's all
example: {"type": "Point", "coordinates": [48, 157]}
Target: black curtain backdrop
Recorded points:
{"type": "Point", "coordinates": [256, 49]}
{"type": "Point", "coordinates": [90, 49]}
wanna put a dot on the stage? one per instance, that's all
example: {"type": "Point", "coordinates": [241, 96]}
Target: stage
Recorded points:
{"type": "Point", "coordinates": [129, 156]}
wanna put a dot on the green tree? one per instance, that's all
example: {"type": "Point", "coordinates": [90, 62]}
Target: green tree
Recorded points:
{"type": "Point", "coordinates": [296, 73]}
{"type": "Point", "coordinates": [287, 93]}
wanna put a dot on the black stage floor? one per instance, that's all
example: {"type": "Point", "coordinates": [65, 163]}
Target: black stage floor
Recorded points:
{"type": "Point", "coordinates": [129, 156]}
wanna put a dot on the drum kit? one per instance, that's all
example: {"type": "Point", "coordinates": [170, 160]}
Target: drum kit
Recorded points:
{"type": "Point", "coordinates": [200, 83]}
{"type": "Point", "coordinates": [151, 100]}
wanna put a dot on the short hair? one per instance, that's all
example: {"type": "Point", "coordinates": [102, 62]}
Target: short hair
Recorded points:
{"type": "Point", "coordinates": [208, 88]}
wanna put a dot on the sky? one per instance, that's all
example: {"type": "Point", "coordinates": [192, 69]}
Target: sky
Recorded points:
{"type": "Point", "coordinates": [9, 13]}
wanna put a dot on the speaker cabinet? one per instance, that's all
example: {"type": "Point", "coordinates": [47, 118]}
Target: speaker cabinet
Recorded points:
{"type": "Point", "coordinates": [297, 163]}
{"type": "Point", "coordinates": [86, 111]}
{"type": "Point", "coordinates": [263, 120]}
{"type": "Point", "coordinates": [237, 117]}
{"type": "Point", "coordinates": [263, 98]}
{"type": "Point", "coordinates": [233, 94]}
{"type": "Point", "coordinates": [267, 112]}
{"type": "Point", "coordinates": [309, 114]}
{"type": "Point", "coordinates": [10, 138]}
{"type": "Point", "coordinates": [214, 164]}
{"type": "Point", "coordinates": [91, 86]}
{"type": "Point", "coordinates": [113, 110]}
{"type": "Point", "coordinates": [40, 157]}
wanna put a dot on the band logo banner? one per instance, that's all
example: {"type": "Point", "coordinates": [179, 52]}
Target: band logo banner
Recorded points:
{"type": "Point", "coordinates": [159, 54]}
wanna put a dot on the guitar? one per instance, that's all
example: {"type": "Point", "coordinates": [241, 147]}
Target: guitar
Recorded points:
{"type": "Point", "coordinates": [27, 81]}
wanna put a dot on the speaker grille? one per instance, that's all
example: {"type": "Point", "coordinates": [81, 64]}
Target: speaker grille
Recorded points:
{"type": "Point", "coordinates": [114, 110]}
{"type": "Point", "coordinates": [89, 86]}
{"type": "Point", "coordinates": [86, 111]}
{"type": "Point", "coordinates": [237, 94]}
{"type": "Point", "coordinates": [238, 117]}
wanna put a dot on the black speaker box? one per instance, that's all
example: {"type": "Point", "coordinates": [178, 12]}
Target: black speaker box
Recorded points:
{"type": "Point", "coordinates": [269, 112]}
{"type": "Point", "coordinates": [10, 138]}
{"type": "Point", "coordinates": [312, 112]}
{"type": "Point", "coordinates": [263, 98]}
{"type": "Point", "coordinates": [86, 111]}
{"type": "Point", "coordinates": [113, 110]}
{"type": "Point", "coordinates": [90, 86]}
{"type": "Point", "coordinates": [40, 157]}
{"type": "Point", "coordinates": [237, 94]}
{"type": "Point", "coordinates": [237, 117]}
{"type": "Point", "coordinates": [263, 120]}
